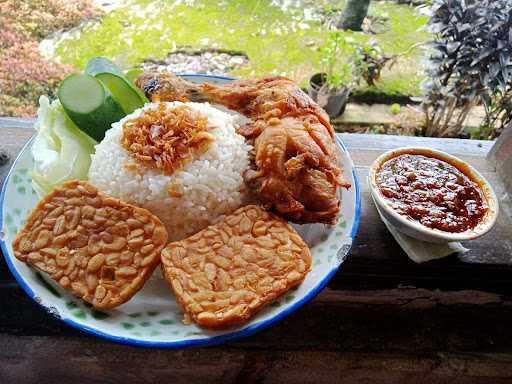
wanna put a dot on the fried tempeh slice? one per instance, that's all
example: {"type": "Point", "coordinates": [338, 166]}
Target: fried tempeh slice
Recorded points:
{"type": "Point", "coordinates": [98, 247]}
{"type": "Point", "coordinates": [225, 273]}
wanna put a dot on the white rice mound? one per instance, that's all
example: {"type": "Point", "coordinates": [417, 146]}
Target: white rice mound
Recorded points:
{"type": "Point", "coordinates": [212, 184]}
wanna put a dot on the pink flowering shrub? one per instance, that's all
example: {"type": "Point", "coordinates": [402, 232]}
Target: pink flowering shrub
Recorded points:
{"type": "Point", "coordinates": [24, 76]}
{"type": "Point", "coordinates": [10, 35]}
{"type": "Point", "coordinates": [24, 73]}
{"type": "Point", "coordinates": [39, 18]}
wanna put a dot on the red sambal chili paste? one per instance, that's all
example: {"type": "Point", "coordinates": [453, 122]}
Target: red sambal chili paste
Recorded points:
{"type": "Point", "coordinates": [432, 192]}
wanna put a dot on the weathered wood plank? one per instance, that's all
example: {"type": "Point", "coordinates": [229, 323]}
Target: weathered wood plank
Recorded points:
{"type": "Point", "coordinates": [385, 142]}
{"type": "Point", "coordinates": [12, 141]}
{"type": "Point", "coordinates": [403, 320]}
{"type": "Point", "coordinates": [40, 360]}
{"type": "Point", "coordinates": [15, 122]}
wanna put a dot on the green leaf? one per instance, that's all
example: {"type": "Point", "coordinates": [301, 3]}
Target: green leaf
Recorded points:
{"type": "Point", "coordinates": [60, 145]}
{"type": "Point", "coordinates": [71, 305]}
{"type": "Point", "coordinates": [155, 333]}
{"type": "Point", "coordinates": [132, 74]}
{"type": "Point", "coordinates": [152, 313]}
{"type": "Point", "coordinates": [134, 315]}
{"type": "Point", "coordinates": [145, 323]}
{"type": "Point", "coordinates": [21, 190]}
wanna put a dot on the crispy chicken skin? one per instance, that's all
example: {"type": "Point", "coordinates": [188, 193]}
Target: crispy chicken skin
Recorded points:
{"type": "Point", "coordinates": [296, 170]}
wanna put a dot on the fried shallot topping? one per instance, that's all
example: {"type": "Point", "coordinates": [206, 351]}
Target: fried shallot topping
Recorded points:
{"type": "Point", "coordinates": [167, 138]}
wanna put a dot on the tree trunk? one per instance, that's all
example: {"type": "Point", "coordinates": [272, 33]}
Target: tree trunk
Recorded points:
{"type": "Point", "coordinates": [353, 15]}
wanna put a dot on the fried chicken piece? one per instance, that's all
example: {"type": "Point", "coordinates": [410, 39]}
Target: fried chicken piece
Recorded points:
{"type": "Point", "coordinates": [296, 169]}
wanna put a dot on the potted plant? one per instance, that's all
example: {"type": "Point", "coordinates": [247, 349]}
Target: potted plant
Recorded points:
{"type": "Point", "coordinates": [330, 88]}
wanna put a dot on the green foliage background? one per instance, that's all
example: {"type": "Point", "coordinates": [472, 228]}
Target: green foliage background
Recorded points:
{"type": "Point", "coordinates": [277, 41]}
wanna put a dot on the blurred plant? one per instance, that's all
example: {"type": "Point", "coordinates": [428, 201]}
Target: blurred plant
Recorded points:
{"type": "Point", "coordinates": [10, 35]}
{"type": "Point", "coordinates": [498, 114]}
{"type": "Point", "coordinates": [39, 18]}
{"type": "Point", "coordinates": [24, 73]}
{"type": "Point", "coordinates": [369, 60]}
{"type": "Point", "coordinates": [24, 76]}
{"type": "Point", "coordinates": [336, 68]}
{"type": "Point", "coordinates": [470, 63]}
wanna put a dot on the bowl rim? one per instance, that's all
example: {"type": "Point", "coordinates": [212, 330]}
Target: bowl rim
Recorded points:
{"type": "Point", "coordinates": [482, 228]}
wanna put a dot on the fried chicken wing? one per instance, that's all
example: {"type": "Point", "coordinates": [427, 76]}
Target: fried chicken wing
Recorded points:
{"type": "Point", "coordinates": [296, 170]}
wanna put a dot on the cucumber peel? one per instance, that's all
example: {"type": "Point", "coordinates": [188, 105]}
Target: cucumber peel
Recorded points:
{"type": "Point", "coordinates": [89, 104]}
{"type": "Point", "coordinates": [101, 65]}
{"type": "Point", "coordinates": [123, 93]}
{"type": "Point", "coordinates": [132, 74]}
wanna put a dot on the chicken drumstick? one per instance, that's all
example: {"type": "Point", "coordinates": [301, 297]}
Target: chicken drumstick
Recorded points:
{"type": "Point", "coordinates": [296, 171]}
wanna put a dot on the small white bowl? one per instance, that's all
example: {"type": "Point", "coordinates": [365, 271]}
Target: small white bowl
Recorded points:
{"type": "Point", "coordinates": [414, 228]}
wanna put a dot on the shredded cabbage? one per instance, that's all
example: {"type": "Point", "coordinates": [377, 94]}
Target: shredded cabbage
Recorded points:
{"type": "Point", "coordinates": [61, 151]}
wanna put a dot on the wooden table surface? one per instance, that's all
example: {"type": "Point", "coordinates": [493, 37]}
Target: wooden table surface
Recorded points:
{"type": "Point", "coordinates": [382, 318]}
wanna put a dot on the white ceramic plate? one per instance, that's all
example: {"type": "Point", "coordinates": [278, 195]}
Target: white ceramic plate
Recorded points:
{"type": "Point", "coordinates": [152, 317]}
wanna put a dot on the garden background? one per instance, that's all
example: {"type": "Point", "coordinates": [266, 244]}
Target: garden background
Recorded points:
{"type": "Point", "coordinates": [386, 65]}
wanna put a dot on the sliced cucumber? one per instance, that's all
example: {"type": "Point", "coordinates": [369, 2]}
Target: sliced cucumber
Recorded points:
{"type": "Point", "coordinates": [89, 104]}
{"type": "Point", "coordinates": [99, 65]}
{"type": "Point", "coordinates": [124, 94]}
{"type": "Point", "coordinates": [102, 65]}
{"type": "Point", "coordinates": [132, 74]}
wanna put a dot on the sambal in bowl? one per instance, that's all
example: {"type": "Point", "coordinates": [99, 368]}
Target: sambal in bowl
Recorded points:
{"type": "Point", "coordinates": [431, 195]}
